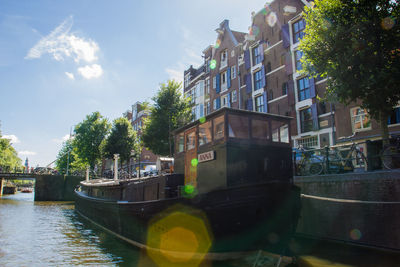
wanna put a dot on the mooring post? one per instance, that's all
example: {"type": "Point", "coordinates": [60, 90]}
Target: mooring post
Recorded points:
{"type": "Point", "coordinates": [116, 156]}
{"type": "Point", "coordinates": [1, 187]}
{"type": "Point", "coordinates": [87, 174]}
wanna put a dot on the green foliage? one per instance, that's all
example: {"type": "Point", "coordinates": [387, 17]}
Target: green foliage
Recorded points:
{"type": "Point", "coordinates": [170, 111]}
{"type": "Point", "coordinates": [75, 163]}
{"type": "Point", "coordinates": [122, 140]}
{"type": "Point", "coordinates": [9, 159]}
{"type": "Point", "coordinates": [356, 45]}
{"type": "Point", "coordinates": [88, 136]}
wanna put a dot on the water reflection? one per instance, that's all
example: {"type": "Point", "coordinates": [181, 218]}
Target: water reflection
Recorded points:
{"type": "Point", "coordinates": [52, 234]}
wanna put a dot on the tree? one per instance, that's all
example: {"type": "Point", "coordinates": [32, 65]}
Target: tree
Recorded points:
{"type": "Point", "coordinates": [9, 159]}
{"type": "Point", "coordinates": [75, 163]}
{"type": "Point", "coordinates": [122, 140]}
{"type": "Point", "coordinates": [88, 136]}
{"type": "Point", "coordinates": [356, 45]}
{"type": "Point", "coordinates": [170, 111]}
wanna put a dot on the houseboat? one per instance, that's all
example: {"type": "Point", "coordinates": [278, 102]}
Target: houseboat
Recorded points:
{"type": "Point", "coordinates": [231, 192]}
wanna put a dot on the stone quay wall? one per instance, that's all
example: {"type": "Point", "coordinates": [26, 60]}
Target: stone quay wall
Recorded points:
{"type": "Point", "coordinates": [55, 187]}
{"type": "Point", "coordinates": [359, 208]}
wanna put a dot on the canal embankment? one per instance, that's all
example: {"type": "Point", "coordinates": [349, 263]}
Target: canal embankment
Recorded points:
{"type": "Point", "coordinates": [55, 187]}
{"type": "Point", "coordinates": [356, 208]}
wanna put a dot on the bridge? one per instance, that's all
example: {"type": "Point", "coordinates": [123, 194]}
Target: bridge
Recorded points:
{"type": "Point", "coordinates": [47, 187]}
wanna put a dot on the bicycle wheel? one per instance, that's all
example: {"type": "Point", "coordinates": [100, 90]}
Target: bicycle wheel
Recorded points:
{"type": "Point", "coordinates": [391, 157]}
{"type": "Point", "coordinates": [315, 168]}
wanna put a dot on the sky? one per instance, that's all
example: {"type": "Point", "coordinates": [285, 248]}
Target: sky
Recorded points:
{"type": "Point", "coordinates": [62, 60]}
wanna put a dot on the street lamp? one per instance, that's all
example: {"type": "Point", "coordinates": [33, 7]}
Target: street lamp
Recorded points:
{"type": "Point", "coordinates": [69, 150]}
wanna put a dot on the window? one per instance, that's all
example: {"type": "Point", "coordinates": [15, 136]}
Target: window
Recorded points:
{"type": "Point", "coordinates": [260, 103]}
{"type": "Point", "coordinates": [304, 88]}
{"type": "Point", "coordinates": [306, 120]}
{"type": "Point", "coordinates": [298, 55]}
{"type": "Point", "coordinates": [224, 79]}
{"type": "Point", "coordinates": [208, 108]}
{"type": "Point", "coordinates": [207, 65]}
{"type": "Point", "coordinates": [205, 133]}
{"type": "Point", "coordinates": [284, 88]}
{"type": "Point", "coordinates": [283, 59]}
{"type": "Point", "coordinates": [311, 141]}
{"type": "Point", "coordinates": [233, 72]}
{"type": "Point", "coordinates": [234, 96]}
{"type": "Point", "coordinates": [238, 126]}
{"type": "Point", "coordinates": [284, 133]}
{"type": "Point", "coordinates": [394, 117]}
{"type": "Point", "coordinates": [180, 142]}
{"type": "Point", "coordinates": [224, 58]}
{"type": "Point", "coordinates": [219, 126]}
{"type": "Point", "coordinates": [259, 129]}
{"type": "Point", "coordinates": [270, 95]}
{"type": "Point", "coordinates": [207, 92]}
{"type": "Point", "coordinates": [359, 119]}
{"type": "Point", "coordinates": [298, 30]}
{"type": "Point", "coordinates": [214, 104]}
{"type": "Point", "coordinates": [257, 80]}
{"type": "Point", "coordinates": [190, 141]}
{"type": "Point", "coordinates": [225, 101]}
{"type": "Point", "coordinates": [256, 56]}
{"type": "Point", "coordinates": [215, 82]}
{"type": "Point", "coordinates": [268, 67]}
{"type": "Point", "coordinates": [187, 80]}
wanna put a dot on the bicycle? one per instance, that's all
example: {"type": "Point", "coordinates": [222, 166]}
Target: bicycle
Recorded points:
{"type": "Point", "coordinates": [354, 157]}
{"type": "Point", "coordinates": [391, 154]}
{"type": "Point", "coordinates": [308, 164]}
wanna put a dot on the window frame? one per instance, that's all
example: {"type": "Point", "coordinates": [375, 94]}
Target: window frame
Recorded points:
{"type": "Point", "coordinates": [299, 33]}
{"type": "Point", "coordinates": [259, 106]}
{"type": "Point", "coordinates": [257, 80]}
{"type": "Point", "coordinates": [305, 91]}
{"type": "Point", "coordinates": [354, 117]}
{"type": "Point", "coordinates": [306, 125]}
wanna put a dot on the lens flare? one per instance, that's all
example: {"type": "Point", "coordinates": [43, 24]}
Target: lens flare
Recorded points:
{"type": "Point", "coordinates": [189, 191]}
{"type": "Point", "coordinates": [271, 19]}
{"type": "Point", "coordinates": [355, 234]}
{"type": "Point", "coordinates": [217, 43]}
{"type": "Point", "coordinates": [387, 23]}
{"type": "Point", "coordinates": [213, 64]}
{"type": "Point", "coordinates": [178, 236]}
{"type": "Point", "coordinates": [194, 162]}
{"type": "Point", "coordinates": [202, 119]}
{"type": "Point", "coordinates": [255, 30]}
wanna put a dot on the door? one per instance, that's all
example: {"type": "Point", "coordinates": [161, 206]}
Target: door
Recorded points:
{"type": "Point", "coordinates": [191, 157]}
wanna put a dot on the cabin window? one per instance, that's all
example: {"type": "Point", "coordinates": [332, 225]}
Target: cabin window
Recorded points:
{"type": "Point", "coordinates": [180, 143]}
{"type": "Point", "coordinates": [238, 126]}
{"type": "Point", "coordinates": [205, 133]}
{"type": "Point", "coordinates": [280, 132]}
{"type": "Point", "coordinates": [219, 126]}
{"type": "Point", "coordinates": [259, 129]}
{"type": "Point", "coordinates": [191, 141]}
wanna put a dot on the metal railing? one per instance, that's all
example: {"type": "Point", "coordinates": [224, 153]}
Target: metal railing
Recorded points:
{"type": "Point", "coordinates": [354, 157]}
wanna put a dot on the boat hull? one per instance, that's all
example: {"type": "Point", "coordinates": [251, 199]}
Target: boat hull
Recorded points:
{"type": "Point", "coordinates": [238, 219]}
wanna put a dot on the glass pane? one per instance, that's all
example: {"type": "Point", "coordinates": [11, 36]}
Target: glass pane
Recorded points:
{"type": "Point", "coordinates": [190, 141]}
{"type": "Point", "coordinates": [284, 134]}
{"type": "Point", "coordinates": [275, 135]}
{"type": "Point", "coordinates": [259, 129]}
{"type": "Point", "coordinates": [205, 133]}
{"type": "Point", "coordinates": [219, 128]}
{"type": "Point", "coordinates": [180, 143]}
{"type": "Point", "coordinates": [238, 126]}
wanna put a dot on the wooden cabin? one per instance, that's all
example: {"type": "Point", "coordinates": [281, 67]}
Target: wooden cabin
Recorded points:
{"type": "Point", "coordinates": [232, 147]}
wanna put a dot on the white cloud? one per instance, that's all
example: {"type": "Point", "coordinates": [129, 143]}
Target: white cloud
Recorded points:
{"type": "Point", "coordinates": [70, 75]}
{"type": "Point", "coordinates": [13, 138]}
{"type": "Point", "coordinates": [61, 140]}
{"type": "Point", "coordinates": [91, 71]}
{"type": "Point", "coordinates": [61, 44]}
{"type": "Point", "coordinates": [26, 153]}
{"type": "Point", "coordinates": [176, 74]}
{"type": "Point", "coordinates": [191, 56]}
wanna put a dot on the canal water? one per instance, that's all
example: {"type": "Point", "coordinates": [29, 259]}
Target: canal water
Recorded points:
{"type": "Point", "coordinates": [52, 234]}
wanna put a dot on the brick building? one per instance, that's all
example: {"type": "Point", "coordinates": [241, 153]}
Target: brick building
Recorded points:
{"type": "Point", "coordinates": [137, 115]}
{"type": "Point", "coordinates": [260, 71]}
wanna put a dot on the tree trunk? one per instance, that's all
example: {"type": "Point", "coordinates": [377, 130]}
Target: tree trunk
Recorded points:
{"type": "Point", "coordinates": [384, 128]}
